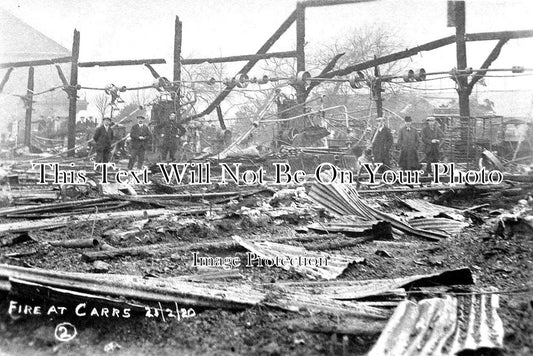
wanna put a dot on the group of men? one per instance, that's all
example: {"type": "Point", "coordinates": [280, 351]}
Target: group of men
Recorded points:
{"type": "Point", "coordinates": [141, 136]}
{"type": "Point", "coordinates": [409, 140]}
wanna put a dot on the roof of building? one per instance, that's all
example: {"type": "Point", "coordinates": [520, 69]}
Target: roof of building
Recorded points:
{"type": "Point", "coordinates": [21, 42]}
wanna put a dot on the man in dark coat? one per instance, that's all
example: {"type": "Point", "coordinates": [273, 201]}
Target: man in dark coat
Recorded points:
{"type": "Point", "coordinates": [432, 139]}
{"type": "Point", "coordinates": [408, 141]}
{"type": "Point", "coordinates": [140, 141]}
{"type": "Point", "coordinates": [381, 144]}
{"type": "Point", "coordinates": [103, 138]}
{"type": "Point", "coordinates": [171, 132]}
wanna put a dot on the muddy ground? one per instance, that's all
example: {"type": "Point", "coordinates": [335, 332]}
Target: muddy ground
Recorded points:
{"type": "Point", "coordinates": [500, 259]}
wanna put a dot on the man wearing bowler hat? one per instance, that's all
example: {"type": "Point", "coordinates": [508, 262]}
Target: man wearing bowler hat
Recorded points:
{"type": "Point", "coordinates": [140, 141]}
{"type": "Point", "coordinates": [103, 138]}
{"type": "Point", "coordinates": [381, 144]}
{"type": "Point", "coordinates": [432, 137]}
{"type": "Point", "coordinates": [408, 141]}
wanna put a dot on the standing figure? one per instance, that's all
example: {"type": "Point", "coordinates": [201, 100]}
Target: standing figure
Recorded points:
{"type": "Point", "coordinates": [381, 144]}
{"type": "Point", "coordinates": [140, 141]}
{"type": "Point", "coordinates": [171, 132]}
{"type": "Point", "coordinates": [408, 142]}
{"type": "Point", "coordinates": [103, 138]}
{"type": "Point", "coordinates": [432, 139]}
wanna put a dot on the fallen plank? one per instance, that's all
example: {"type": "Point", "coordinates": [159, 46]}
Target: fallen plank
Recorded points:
{"type": "Point", "coordinates": [76, 243]}
{"type": "Point", "coordinates": [53, 223]}
{"type": "Point", "coordinates": [96, 208]}
{"type": "Point", "coordinates": [168, 249]}
{"type": "Point", "coordinates": [51, 206]}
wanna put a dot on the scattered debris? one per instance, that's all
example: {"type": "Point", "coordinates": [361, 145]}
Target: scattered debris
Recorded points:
{"type": "Point", "coordinates": [343, 199]}
{"type": "Point", "coordinates": [311, 264]}
{"type": "Point", "coordinates": [101, 267]}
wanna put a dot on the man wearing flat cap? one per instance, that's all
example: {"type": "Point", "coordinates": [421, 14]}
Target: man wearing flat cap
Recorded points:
{"type": "Point", "coordinates": [381, 144]}
{"type": "Point", "coordinates": [140, 141]}
{"type": "Point", "coordinates": [103, 138]}
{"type": "Point", "coordinates": [408, 141]}
{"type": "Point", "coordinates": [432, 137]}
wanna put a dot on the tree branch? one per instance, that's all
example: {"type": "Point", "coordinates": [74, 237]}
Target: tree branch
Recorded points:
{"type": "Point", "coordinates": [326, 69]}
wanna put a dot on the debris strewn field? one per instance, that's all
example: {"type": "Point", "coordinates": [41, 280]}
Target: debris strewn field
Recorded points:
{"type": "Point", "coordinates": [266, 270]}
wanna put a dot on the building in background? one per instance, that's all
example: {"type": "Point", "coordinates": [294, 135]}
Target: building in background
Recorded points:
{"type": "Point", "coordinates": [21, 42]}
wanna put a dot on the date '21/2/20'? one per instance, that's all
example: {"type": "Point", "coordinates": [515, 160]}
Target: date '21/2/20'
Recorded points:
{"type": "Point", "coordinates": [163, 313]}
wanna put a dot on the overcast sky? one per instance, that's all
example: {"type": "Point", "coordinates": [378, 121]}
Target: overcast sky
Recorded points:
{"type": "Point", "coordinates": [130, 29]}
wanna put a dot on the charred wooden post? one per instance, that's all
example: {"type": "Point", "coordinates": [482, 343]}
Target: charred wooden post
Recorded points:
{"type": "Point", "coordinates": [462, 80]}
{"type": "Point", "coordinates": [377, 91]}
{"type": "Point", "coordinates": [177, 62]}
{"type": "Point", "coordinates": [28, 102]}
{"type": "Point", "coordinates": [73, 94]}
{"type": "Point", "coordinates": [300, 51]}
{"type": "Point", "coordinates": [121, 62]}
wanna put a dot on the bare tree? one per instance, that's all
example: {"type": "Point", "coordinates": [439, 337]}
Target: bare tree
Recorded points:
{"type": "Point", "coordinates": [142, 97]}
{"type": "Point", "coordinates": [101, 102]}
{"type": "Point", "coordinates": [360, 45]}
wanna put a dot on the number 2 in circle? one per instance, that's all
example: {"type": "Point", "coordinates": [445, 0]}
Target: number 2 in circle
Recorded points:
{"type": "Point", "coordinates": [65, 332]}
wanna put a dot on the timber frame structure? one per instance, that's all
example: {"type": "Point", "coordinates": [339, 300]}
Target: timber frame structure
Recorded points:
{"type": "Point", "coordinates": [456, 11]}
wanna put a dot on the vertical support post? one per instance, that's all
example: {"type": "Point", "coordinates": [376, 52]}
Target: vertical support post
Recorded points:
{"type": "Point", "coordinates": [221, 118]}
{"type": "Point", "coordinates": [462, 81]}
{"type": "Point", "coordinates": [73, 94]}
{"type": "Point", "coordinates": [377, 91]}
{"type": "Point", "coordinates": [300, 50]}
{"type": "Point", "coordinates": [177, 64]}
{"type": "Point", "coordinates": [29, 107]}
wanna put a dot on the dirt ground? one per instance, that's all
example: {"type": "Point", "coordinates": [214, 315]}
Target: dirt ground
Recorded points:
{"type": "Point", "coordinates": [498, 259]}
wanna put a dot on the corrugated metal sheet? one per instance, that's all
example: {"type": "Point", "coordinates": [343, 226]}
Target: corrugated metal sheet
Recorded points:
{"type": "Point", "coordinates": [452, 227]}
{"type": "Point", "coordinates": [69, 285]}
{"type": "Point", "coordinates": [442, 326]}
{"type": "Point", "coordinates": [328, 266]}
{"type": "Point", "coordinates": [427, 209]}
{"type": "Point", "coordinates": [342, 199]}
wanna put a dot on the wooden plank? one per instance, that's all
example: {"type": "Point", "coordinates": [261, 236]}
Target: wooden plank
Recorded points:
{"type": "Point", "coordinates": [238, 58]}
{"type": "Point", "coordinates": [491, 36]}
{"type": "Point", "coordinates": [392, 57]}
{"type": "Point", "coordinates": [36, 63]}
{"type": "Point", "coordinates": [69, 220]}
{"type": "Point", "coordinates": [121, 62]}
